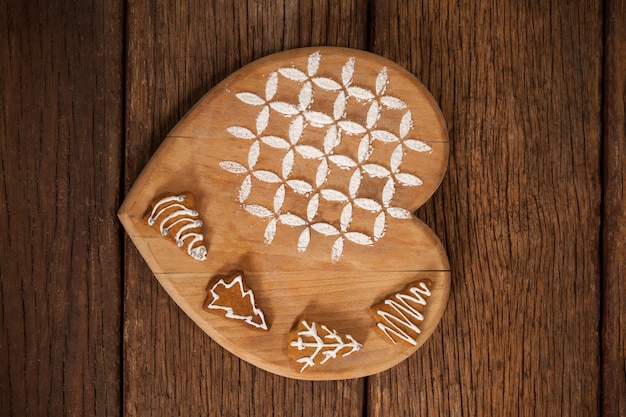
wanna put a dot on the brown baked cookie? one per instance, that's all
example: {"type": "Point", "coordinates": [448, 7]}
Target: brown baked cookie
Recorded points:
{"type": "Point", "coordinates": [230, 296]}
{"type": "Point", "coordinates": [175, 217]}
{"type": "Point", "coordinates": [312, 343]}
{"type": "Point", "coordinates": [399, 315]}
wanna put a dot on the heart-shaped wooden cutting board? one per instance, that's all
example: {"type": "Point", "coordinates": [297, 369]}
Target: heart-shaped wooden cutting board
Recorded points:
{"type": "Point", "coordinates": [279, 213]}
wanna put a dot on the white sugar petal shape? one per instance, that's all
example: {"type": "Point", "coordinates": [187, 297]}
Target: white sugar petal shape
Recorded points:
{"type": "Point", "coordinates": [337, 250]}
{"type": "Point", "coordinates": [250, 98]}
{"type": "Point", "coordinates": [299, 186]}
{"type": "Point", "coordinates": [396, 158]}
{"type": "Point", "coordinates": [318, 118]}
{"type": "Point", "coordinates": [257, 210]}
{"type": "Point", "coordinates": [351, 128]}
{"type": "Point", "coordinates": [406, 124]}
{"type": "Point", "coordinates": [322, 173]}
{"type": "Point", "coordinates": [368, 204]}
{"type": "Point", "coordinates": [376, 171]}
{"type": "Point", "coordinates": [327, 83]}
{"type": "Point", "coordinates": [271, 86]}
{"type": "Point", "coordinates": [355, 183]}
{"type": "Point", "coordinates": [393, 102]}
{"type": "Point", "coordinates": [313, 63]}
{"type": "Point", "coordinates": [373, 113]}
{"type": "Point", "coordinates": [334, 195]}
{"type": "Point", "coordinates": [347, 71]}
{"type": "Point", "coordinates": [293, 74]}
{"type": "Point", "coordinates": [346, 217]}
{"type": "Point", "coordinates": [380, 224]}
{"type": "Point", "coordinates": [262, 119]}
{"type": "Point", "coordinates": [286, 109]}
{"type": "Point", "coordinates": [296, 128]}
{"type": "Point", "coordinates": [325, 229]}
{"type": "Point", "coordinates": [365, 148]}
{"type": "Point", "coordinates": [241, 132]}
{"type": "Point", "coordinates": [233, 167]}
{"type": "Point", "coordinates": [331, 139]}
{"type": "Point", "coordinates": [275, 142]}
{"type": "Point", "coordinates": [381, 81]}
{"type": "Point", "coordinates": [304, 239]}
{"type": "Point", "coordinates": [270, 231]}
{"type": "Point", "coordinates": [339, 106]}
{"type": "Point", "coordinates": [417, 145]}
{"type": "Point", "coordinates": [253, 154]}
{"type": "Point", "coordinates": [342, 161]}
{"type": "Point", "coordinates": [279, 198]}
{"type": "Point", "coordinates": [309, 152]}
{"type": "Point", "coordinates": [306, 95]}
{"type": "Point", "coordinates": [360, 93]}
{"type": "Point", "coordinates": [384, 136]}
{"type": "Point", "coordinates": [360, 238]}
{"type": "Point", "coordinates": [291, 220]}
{"type": "Point", "coordinates": [388, 191]}
{"type": "Point", "coordinates": [409, 180]}
{"type": "Point", "coordinates": [399, 213]}
{"type": "Point", "coordinates": [288, 162]}
{"type": "Point", "coordinates": [246, 187]}
{"type": "Point", "coordinates": [312, 206]}
{"type": "Point", "coordinates": [267, 176]}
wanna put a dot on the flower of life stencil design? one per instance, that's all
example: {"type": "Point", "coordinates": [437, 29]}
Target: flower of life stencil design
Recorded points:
{"type": "Point", "coordinates": [345, 134]}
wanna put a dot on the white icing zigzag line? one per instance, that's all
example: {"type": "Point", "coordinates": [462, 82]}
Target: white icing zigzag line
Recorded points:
{"type": "Point", "coordinates": [186, 215]}
{"type": "Point", "coordinates": [406, 315]}
{"type": "Point", "coordinates": [333, 348]}
{"type": "Point", "coordinates": [335, 125]}
{"type": "Point", "coordinates": [230, 313]}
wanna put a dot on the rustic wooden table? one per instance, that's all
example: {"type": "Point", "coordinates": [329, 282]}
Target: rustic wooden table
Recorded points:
{"type": "Point", "coordinates": [532, 210]}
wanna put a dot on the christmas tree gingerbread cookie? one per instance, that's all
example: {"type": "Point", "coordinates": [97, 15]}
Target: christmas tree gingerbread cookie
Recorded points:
{"type": "Point", "coordinates": [175, 217]}
{"type": "Point", "coordinates": [400, 315]}
{"type": "Point", "coordinates": [312, 343]}
{"type": "Point", "coordinates": [231, 297]}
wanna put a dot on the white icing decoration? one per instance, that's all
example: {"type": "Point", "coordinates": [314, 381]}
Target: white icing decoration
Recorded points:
{"type": "Point", "coordinates": [257, 319]}
{"type": "Point", "coordinates": [181, 214]}
{"type": "Point", "coordinates": [329, 345]}
{"type": "Point", "coordinates": [403, 323]}
{"type": "Point", "coordinates": [359, 119]}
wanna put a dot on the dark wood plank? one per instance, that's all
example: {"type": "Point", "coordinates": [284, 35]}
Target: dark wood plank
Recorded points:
{"type": "Point", "coordinates": [177, 52]}
{"type": "Point", "coordinates": [614, 213]}
{"type": "Point", "coordinates": [519, 211]}
{"type": "Point", "coordinates": [60, 157]}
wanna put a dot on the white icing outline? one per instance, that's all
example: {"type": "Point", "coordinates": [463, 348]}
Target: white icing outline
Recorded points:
{"type": "Point", "coordinates": [230, 313]}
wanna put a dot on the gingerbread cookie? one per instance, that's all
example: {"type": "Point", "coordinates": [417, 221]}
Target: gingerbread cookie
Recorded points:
{"type": "Point", "coordinates": [312, 343]}
{"type": "Point", "coordinates": [174, 216]}
{"type": "Point", "coordinates": [231, 297]}
{"type": "Point", "coordinates": [400, 315]}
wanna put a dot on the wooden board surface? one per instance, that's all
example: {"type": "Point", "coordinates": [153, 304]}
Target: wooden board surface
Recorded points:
{"type": "Point", "coordinates": [519, 86]}
{"type": "Point", "coordinates": [305, 167]}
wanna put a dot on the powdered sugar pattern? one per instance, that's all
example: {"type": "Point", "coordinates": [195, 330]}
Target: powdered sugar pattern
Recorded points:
{"type": "Point", "coordinates": [337, 128]}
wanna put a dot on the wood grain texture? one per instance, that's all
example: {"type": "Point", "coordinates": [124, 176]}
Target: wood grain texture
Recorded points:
{"type": "Point", "coordinates": [176, 53]}
{"type": "Point", "coordinates": [60, 158]}
{"type": "Point", "coordinates": [519, 211]}
{"type": "Point", "coordinates": [614, 213]}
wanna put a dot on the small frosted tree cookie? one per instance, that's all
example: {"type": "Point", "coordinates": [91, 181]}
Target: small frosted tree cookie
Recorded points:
{"type": "Point", "coordinates": [175, 217]}
{"type": "Point", "coordinates": [400, 315]}
{"type": "Point", "coordinates": [312, 343]}
{"type": "Point", "coordinates": [231, 297]}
